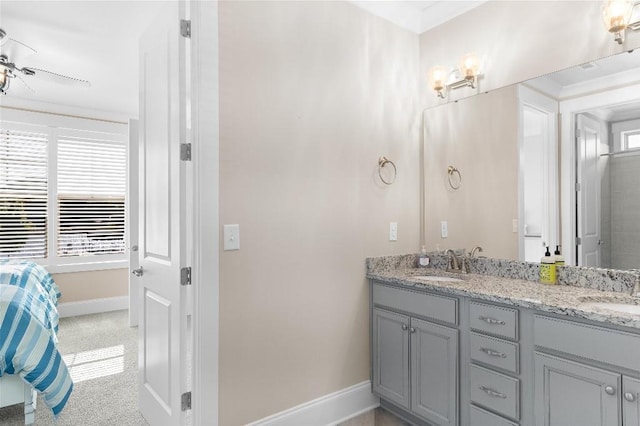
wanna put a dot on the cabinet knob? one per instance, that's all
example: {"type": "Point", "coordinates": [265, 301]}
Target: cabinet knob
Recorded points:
{"type": "Point", "coordinates": [404, 326]}
{"type": "Point", "coordinates": [610, 390]}
{"type": "Point", "coordinates": [629, 396]}
{"type": "Point", "coordinates": [413, 330]}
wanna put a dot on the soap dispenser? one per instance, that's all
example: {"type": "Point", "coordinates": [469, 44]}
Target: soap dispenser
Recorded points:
{"type": "Point", "coordinates": [423, 260]}
{"type": "Point", "coordinates": [548, 268]}
{"type": "Point", "coordinates": [558, 257]}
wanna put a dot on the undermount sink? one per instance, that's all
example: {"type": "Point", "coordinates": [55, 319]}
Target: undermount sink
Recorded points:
{"type": "Point", "coordinates": [437, 278]}
{"type": "Point", "coordinates": [617, 304]}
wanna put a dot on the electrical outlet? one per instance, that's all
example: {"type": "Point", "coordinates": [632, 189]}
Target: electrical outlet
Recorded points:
{"type": "Point", "coordinates": [393, 231]}
{"type": "Point", "coordinates": [444, 229]}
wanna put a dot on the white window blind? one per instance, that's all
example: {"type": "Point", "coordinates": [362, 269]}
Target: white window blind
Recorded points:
{"type": "Point", "coordinates": [90, 195]}
{"type": "Point", "coordinates": [23, 193]}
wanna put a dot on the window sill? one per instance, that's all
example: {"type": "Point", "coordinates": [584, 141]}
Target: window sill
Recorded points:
{"type": "Point", "coordinates": [86, 266]}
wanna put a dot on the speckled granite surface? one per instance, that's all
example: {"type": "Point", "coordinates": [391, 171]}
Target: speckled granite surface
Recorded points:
{"type": "Point", "coordinates": [575, 276]}
{"type": "Point", "coordinates": [574, 300]}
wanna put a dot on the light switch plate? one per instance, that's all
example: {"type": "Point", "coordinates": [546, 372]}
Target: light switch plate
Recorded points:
{"type": "Point", "coordinates": [393, 231]}
{"type": "Point", "coordinates": [514, 226]}
{"type": "Point", "coordinates": [231, 237]}
{"type": "Point", "coordinates": [444, 229]}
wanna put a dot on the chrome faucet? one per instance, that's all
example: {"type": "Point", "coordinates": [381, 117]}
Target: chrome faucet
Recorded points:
{"type": "Point", "coordinates": [453, 261]}
{"type": "Point", "coordinates": [476, 249]}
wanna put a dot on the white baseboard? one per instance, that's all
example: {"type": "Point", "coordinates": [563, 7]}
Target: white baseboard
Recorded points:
{"type": "Point", "coordinates": [94, 306]}
{"type": "Point", "coordinates": [327, 410]}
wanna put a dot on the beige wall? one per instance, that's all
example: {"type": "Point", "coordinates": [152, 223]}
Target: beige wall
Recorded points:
{"type": "Point", "coordinates": [311, 94]}
{"type": "Point", "coordinates": [481, 211]}
{"type": "Point", "coordinates": [80, 286]}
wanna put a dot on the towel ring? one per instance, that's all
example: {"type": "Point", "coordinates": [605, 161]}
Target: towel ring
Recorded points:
{"type": "Point", "coordinates": [382, 161]}
{"type": "Point", "coordinates": [455, 178]}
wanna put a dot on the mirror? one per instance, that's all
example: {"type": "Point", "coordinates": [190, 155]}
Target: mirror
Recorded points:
{"type": "Point", "coordinates": [550, 161]}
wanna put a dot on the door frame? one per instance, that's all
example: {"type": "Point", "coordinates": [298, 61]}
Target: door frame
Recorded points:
{"type": "Point", "coordinates": [568, 110]}
{"type": "Point", "coordinates": [205, 161]}
{"type": "Point", "coordinates": [547, 106]}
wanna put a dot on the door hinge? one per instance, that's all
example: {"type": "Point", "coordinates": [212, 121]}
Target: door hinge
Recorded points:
{"type": "Point", "coordinates": [185, 151]}
{"type": "Point", "coordinates": [185, 276]}
{"type": "Point", "coordinates": [578, 241]}
{"type": "Point", "coordinates": [185, 28]}
{"type": "Point", "coordinates": [578, 186]}
{"type": "Point", "coordinates": [186, 401]}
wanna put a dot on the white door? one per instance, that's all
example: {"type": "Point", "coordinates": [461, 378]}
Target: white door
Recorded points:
{"type": "Point", "coordinates": [163, 335]}
{"type": "Point", "coordinates": [132, 221]}
{"type": "Point", "coordinates": [588, 140]}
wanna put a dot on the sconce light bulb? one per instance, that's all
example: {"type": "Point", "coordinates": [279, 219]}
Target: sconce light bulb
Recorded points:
{"type": "Point", "coordinates": [616, 15]}
{"type": "Point", "coordinates": [469, 66]}
{"type": "Point", "coordinates": [437, 79]}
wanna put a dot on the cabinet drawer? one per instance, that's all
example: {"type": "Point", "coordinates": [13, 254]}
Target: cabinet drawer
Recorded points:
{"type": "Point", "coordinates": [588, 341]}
{"type": "Point", "coordinates": [479, 417]}
{"type": "Point", "coordinates": [494, 320]}
{"type": "Point", "coordinates": [495, 352]}
{"type": "Point", "coordinates": [427, 305]}
{"type": "Point", "coordinates": [495, 391]}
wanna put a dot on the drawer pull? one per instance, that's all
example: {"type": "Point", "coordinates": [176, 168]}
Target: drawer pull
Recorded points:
{"type": "Point", "coordinates": [490, 320]}
{"type": "Point", "coordinates": [491, 352]}
{"type": "Point", "coordinates": [492, 392]}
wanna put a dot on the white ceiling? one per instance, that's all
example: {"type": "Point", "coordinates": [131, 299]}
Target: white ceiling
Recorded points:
{"type": "Point", "coordinates": [90, 40]}
{"type": "Point", "coordinates": [418, 15]}
{"type": "Point", "coordinates": [98, 41]}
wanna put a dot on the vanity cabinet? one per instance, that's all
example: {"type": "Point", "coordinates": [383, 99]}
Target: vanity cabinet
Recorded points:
{"type": "Point", "coordinates": [520, 367]}
{"type": "Point", "coordinates": [587, 385]}
{"type": "Point", "coordinates": [414, 360]}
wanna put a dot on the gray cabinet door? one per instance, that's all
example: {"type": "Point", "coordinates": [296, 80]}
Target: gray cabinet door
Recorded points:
{"type": "Point", "coordinates": [630, 403]}
{"type": "Point", "coordinates": [391, 356]}
{"type": "Point", "coordinates": [572, 394]}
{"type": "Point", "coordinates": [434, 372]}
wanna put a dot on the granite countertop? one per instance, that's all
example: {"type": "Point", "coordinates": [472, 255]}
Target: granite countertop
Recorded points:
{"type": "Point", "coordinates": [558, 299]}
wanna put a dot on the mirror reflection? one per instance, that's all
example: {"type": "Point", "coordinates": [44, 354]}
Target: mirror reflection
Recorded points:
{"type": "Point", "coordinates": [551, 161]}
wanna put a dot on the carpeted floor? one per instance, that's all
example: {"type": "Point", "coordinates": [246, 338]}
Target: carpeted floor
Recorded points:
{"type": "Point", "coordinates": [101, 352]}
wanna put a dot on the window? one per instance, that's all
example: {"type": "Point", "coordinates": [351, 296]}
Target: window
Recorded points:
{"type": "Point", "coordinates": [63, 191]}
{"type": "Point", "coordinates": [631, 140]}
{"type": "Point", "coordinates": [23, 193]}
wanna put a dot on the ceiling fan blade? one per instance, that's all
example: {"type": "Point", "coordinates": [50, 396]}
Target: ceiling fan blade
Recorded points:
{"type": "Point", "coordinates": [25, 83]}
{"type": "Point", "coordinates": [15, 50]}
{"type": "Point", "coordinates": [45, 75]}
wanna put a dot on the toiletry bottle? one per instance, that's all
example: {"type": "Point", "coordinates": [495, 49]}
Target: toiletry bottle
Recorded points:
{"type": "Point", "coordinates": [558, 256]}
{"type": "Point", "coordinates": [423, 261]}
{"type": "Point", "coordinates": [547, 269]}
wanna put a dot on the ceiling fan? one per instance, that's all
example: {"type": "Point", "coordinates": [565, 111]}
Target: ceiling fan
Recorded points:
{"type": "Point", "coordinates": [10, 52]}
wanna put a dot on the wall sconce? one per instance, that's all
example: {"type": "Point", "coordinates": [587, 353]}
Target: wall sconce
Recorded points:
{"type": "Point", "coordinates": [617, 15]}
{"type": "Point", "coordinates": [467, 74]}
